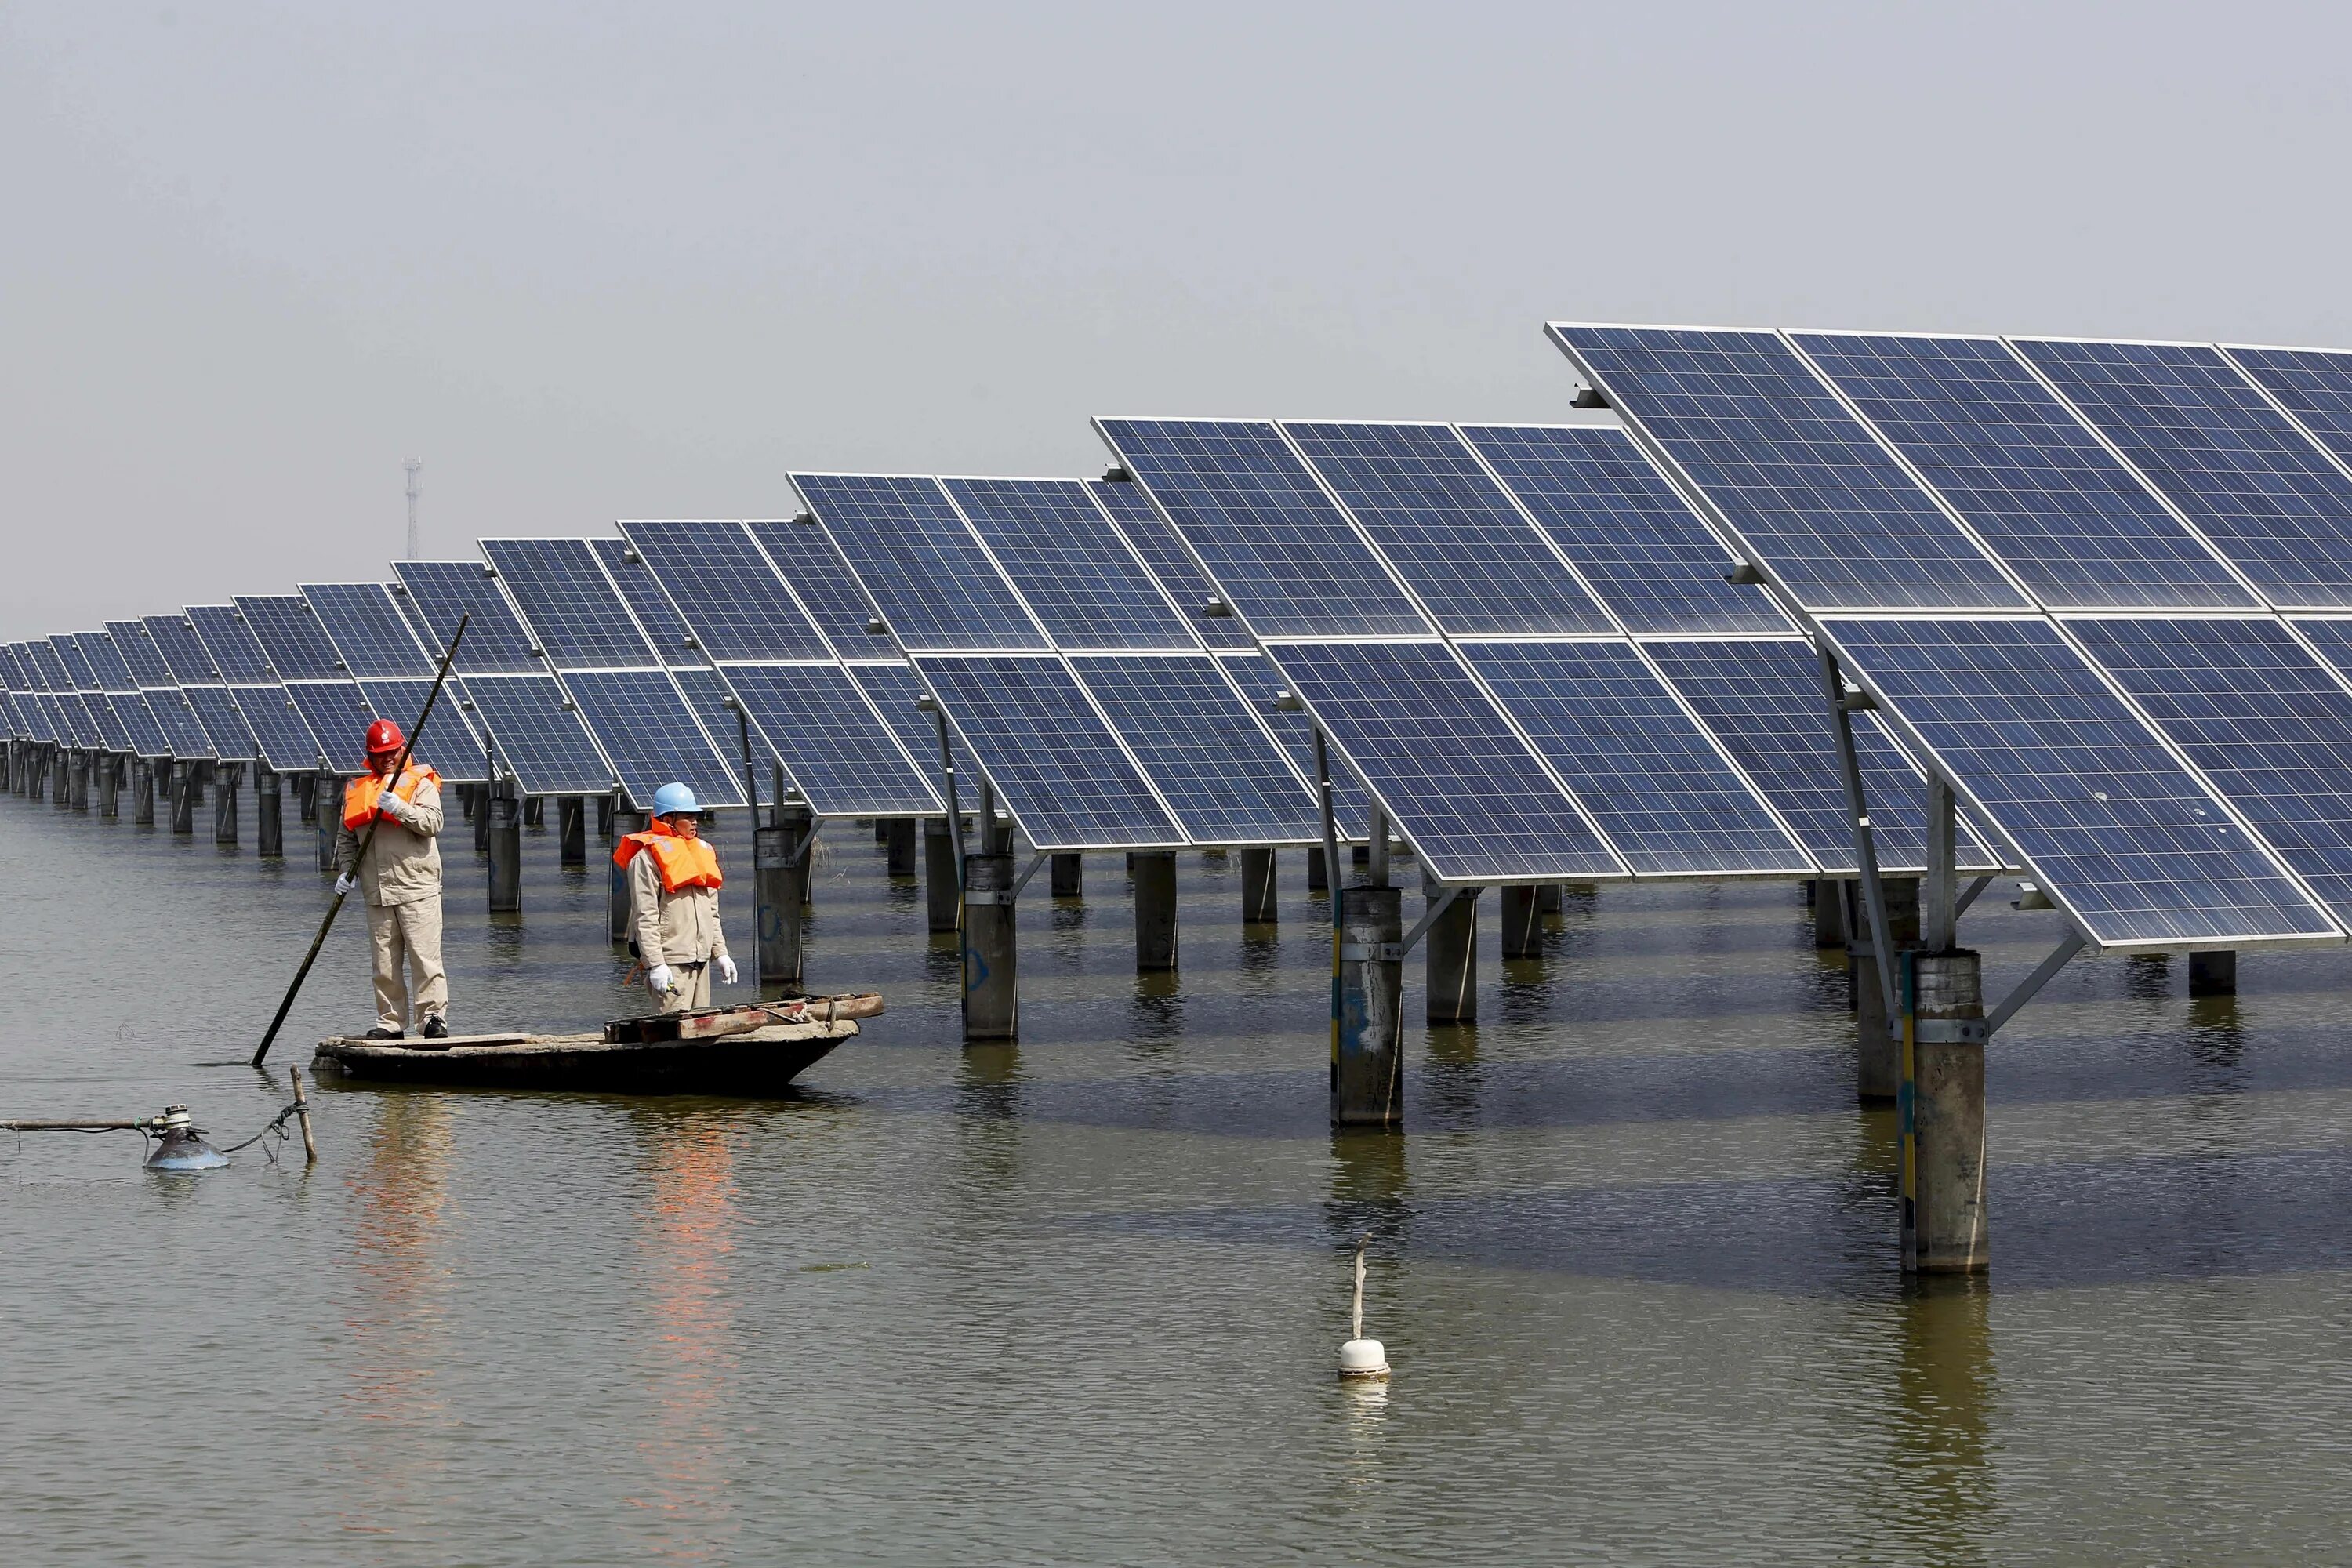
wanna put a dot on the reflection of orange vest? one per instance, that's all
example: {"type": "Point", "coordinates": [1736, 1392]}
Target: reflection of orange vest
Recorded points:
{"type": "Point", "coordinates": [682, 862]}
{"type": "Point", "coordinates": [360, 795]}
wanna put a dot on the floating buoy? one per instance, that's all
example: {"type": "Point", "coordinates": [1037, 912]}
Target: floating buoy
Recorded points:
{"type": "Point", "coordinates": [180, 1145]}
{"type": "Point", "coordinates": [1361, 1360]}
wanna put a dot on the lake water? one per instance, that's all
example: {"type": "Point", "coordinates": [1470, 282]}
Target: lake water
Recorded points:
{"type": "Point", "coordinates": [1079, 1300]}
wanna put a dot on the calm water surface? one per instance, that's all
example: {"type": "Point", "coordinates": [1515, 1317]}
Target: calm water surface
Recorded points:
{"type": "Point", "coordinates": [1079, 1300]}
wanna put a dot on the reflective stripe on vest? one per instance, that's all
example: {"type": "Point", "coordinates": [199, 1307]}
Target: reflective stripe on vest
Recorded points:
{"type": "Point", "coordinates": [360, 795]}
{"type": "Point", "coordinates": [682, 862]}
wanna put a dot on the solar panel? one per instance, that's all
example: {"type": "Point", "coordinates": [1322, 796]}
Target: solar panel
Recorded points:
{"type": "Point", "coordinates": [2110, 823]}
{"type": "Point", "coordinates": [839, 751]}
{"type": "Point", "coordinates": [1074, 569]}
{"type": "Point", "coordinates": [1463, 787]}
{"type": "Point", "coordinates": [137, 646]}
{"type": "Point", "coordinates": [186, 656]}
{"type": "Point", "coordinates": [824, 585]}
{"type": "Point", "coordinates": [112, 734]}
{"type": "Point", "coordinates": [1652, 559]}
{"type": "Point", "coordinates": [1763, 699]}
{"type": "Point", "coordinates": [731, 596]}
{"type": "Point", "coordinates": [580, 620]}
{"type": "Point", "coordinates": [1822, 504]}
{"type": "Point", "coordinates": [1262, 686]}
{"type": "Point", "coordinates": [1200, 745]}
{"type": "Point", "coordinates": [2070, 519]}
{"type": "Point", "coordinates": [440, 592]}
{"type": "Point", "coordinates": [1164, 555]}
{"type": "Point", "coordinates": [278, 729]}
{"type": "Point", "coordinates": [139, 724]}
{"type": "Point", "coordinates": [912, 553]}
{"type": "Point", "coordinates": [338, 715]}
{"type": "Point", "coordinates": [1449, 530]}
{"type": "Point", "coordinates": [291, 638]}
{"type": "Point", "coordinates": [707, 698]}
{"type": "Point", "coordinates": [651, 736]}
{"type": "Point", "coordinates": [452, 743]}
{"type": "Point", "coordinates": [2240, 470]}
{"type": "Point", "coordinates": [226, 734]}
{"type": "Point", "coordinates": [106, 662]}
{"type": "Point", "coordinates": [2260, 717]}
{"type": "Point", "coordinates": [538, 738]}
{"type": "Point", "coordinates": [897, 694]}
{"type": "Point", "coordinates": [1279, 548]}
{"type": "Point", "coordinates": [2314, 385]}
{"type": "Point", "coordinates": [370, 633]}
{"type": "Point", "coordinates": [1042, 744]}
{"type": "Point", "coordinates": [672, 639]}
{"type": "Point", "coordinates": [1653, 782]}
{"type": "Point", "coordinates": [232, 647]}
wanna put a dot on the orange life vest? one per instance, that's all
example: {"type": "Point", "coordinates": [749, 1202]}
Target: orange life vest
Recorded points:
{"type": "Point", "coordinates": [360, 795]}
{"type": "Point", "coordinates": [682, 862]}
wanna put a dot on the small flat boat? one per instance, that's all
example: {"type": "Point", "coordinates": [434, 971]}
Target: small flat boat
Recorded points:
{"type": "Point", "coordinates": [753, 1050]}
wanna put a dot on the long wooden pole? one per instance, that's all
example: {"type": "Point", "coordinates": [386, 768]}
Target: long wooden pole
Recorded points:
{"type": "Point", "coordinates": [336, 908]}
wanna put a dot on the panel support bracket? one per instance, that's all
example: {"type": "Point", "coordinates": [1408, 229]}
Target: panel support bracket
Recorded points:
{"type": "Point", "coordinates": [2033, 982]}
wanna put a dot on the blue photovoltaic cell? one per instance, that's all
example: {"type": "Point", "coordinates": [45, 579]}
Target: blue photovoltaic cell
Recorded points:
{"type": "Point", "coordinates": [1285, 554]}
{"type": "Point", "coordinates": [137, 647]}
{"type": "Point", "coordinates": [339, 715]}
{"type": "Point", "coordinates": [824, 585]}
{"type": "Point", "coordinates": [2050, 499]}
{"type": "Point", "coordinates": [1448, 528]}
{"type": "Point", "coordinates": [2238, 468]}
{"type": "Point", "coordinates": [1072, 567]}
{"type": "Point", "coordinates": [835, 748]}
{"type": "Point", "coordinates": [651, 736]}
{"type": "Point", "coordinates": [440, 592]}
{"type": "Point", "coordinates": [225, 729]}
{"type": "Point", "coordinates": [277, 727]}
{"type": "Point", "coordinates": [543, 743]}
{"type": "Point", "coordinates": [895, 692]}
{"type": "Point", "coordinates": [234, 651]}
{"type": "Point", "coordinates": [106, 661]}
{"type": "Point", "coordinates": [111, 732]}
{"type": "Point", "coordinates": [1763, 699]}
{"type": "Point", "coordinates": [39, 717]}
{"type": "Point", "coordinates": [710, 700]}
{"type": "Point", "coordinates": [139, 721]}
{"type": "Point", "coordinates": [1459, 783]}
{"type": "Point", "coordinates": [2314, 384]}
{"type": "Point", "coordinates": [1262, 686]}
{"type": "Point", "coordinates": [2108, 821]}
{"type": "Point", "coordinates": [450, 740]}
{"type": "Point", "coordinates": [672, 639]}
{"type": "Point", "coordinates": [728, 592]}
{"type": "Point", "coordinates": [2261, 718]}
{"type": "Point", "coordinates": [1046, 749]}
{"type": "Point", "coordinates": [1653, 560]}
{"type": "Point", "coordinates": [1130, 508]}
{"type": "Point", "coordinates": [1813, 493]}
{"type": "Point", "coordinates": [935, 586]}
{"type": "Point", "coordinates": [1643, 767]}
{"type": "Point", "coordinates": [564, 597]}
{"type": "Point", "coordinates": [1220, 773]}
{"type": "Point", "coordinates": [76, 663]}
{"type": "Point", "coordinates": [287, 629]}
{"type": "Point", "coordinates": [369, 630]}
{"type": "Point", "coordinates": [186, 656]}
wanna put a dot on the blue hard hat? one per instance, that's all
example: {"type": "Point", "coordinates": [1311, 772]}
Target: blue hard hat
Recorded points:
{"type": "Point", "coordinates": [673, 797]}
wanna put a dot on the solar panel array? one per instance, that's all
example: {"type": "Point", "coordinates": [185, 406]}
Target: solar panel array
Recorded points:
{"type": "Point", "coordinates": [281, 736]}
{"type": "Point", "coordinates": [389, 666]}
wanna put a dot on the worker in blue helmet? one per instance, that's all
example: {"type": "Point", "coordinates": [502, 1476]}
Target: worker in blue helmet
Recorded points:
{"type": "Point", "coordinates": [674, 884]}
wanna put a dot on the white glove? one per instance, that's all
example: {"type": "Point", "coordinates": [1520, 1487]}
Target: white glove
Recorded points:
{"type": "Point", "coordinates": [344, 884]}
{"type": "Point", "coordinates": [659, 978]}
{"type": "Point", "coordinates": [726, 969]}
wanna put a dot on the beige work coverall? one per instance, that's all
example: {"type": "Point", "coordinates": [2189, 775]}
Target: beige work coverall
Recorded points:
{"type": "Point", "coordinates": [399, 879]}
{"type": "Point", "coordinates": [678, 928]}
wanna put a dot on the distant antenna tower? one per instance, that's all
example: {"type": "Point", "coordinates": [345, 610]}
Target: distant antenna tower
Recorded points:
{"type": "Point", "coordinates": [412, 465]}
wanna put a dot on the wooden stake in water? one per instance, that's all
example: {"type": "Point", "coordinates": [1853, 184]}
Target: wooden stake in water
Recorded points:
{"type": "Point", "coordinates": [311, 1149]}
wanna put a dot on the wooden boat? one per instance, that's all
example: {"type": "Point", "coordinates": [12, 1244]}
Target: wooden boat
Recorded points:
{"type": "Point", "coordinates": [727, 1050]}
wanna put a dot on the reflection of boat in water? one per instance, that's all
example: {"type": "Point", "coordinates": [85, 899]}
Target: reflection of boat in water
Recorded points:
{"type": "Point", "coordinates": [746, 1061]}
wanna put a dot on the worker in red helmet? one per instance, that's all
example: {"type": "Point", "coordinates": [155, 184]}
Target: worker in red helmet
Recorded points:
{"type": "Point", "coordinates": [399, 879]}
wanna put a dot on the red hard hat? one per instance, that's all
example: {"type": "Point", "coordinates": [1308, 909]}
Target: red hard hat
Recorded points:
{"type": "Point", "coordinates": [383, 735]}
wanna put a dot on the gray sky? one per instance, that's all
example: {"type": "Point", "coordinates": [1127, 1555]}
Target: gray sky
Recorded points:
{"type": "Point", "coordinates": [591, 261]}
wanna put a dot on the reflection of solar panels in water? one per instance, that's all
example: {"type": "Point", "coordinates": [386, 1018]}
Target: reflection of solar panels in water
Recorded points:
{"type": "Point", "coordinates": [291, 637]}
{"type": "Point", "coordinates": [825, 584]}
{"type": "Point", "coordinates": [934, 585]}
{"type": "Point", "coordinates": [651, 735]}
{"type": "Point", "coordinates": [1073, 570]}
{"type": "Point", "coordinates": [1060, 771]}
{"type": "Point", "coordinates": [441, 591]}
{"type": "Point", "coordinates": [730, 595]}
{"type": "Point", "coordinates": [2114, 828]}
{"type": "Point", "coordinates": [1130, 508]}
{"type": "Point", "coordinates": [1223, 776]}
{"type": "Point", "coordinates": [370, 633]}
{"type": "Point", "coordinates": [672, 640]}
{"type": "Point", "coordinates": [539, 740]}
{"type": "Point", "coordinates": [842, 753]}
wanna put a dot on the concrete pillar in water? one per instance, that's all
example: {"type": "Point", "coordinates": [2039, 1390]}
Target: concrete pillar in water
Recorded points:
{"type": "Point", "coordinates": [326, 817]}
{"type": "Point", "coordinates": [479, 796]}
{"type": "Point", "coordinates": [183, 797]}
{"type": "Point", "coordinates": [1452, 946]}
{"type": "Point", "coordinates": [1069, 874]}
{"type": "Point", "coordinates": [109, 779]}
{"type": "Point", "coordinates": [268, 813]}
{"type": "Point", "coordinates": [898, 834]}
{"type": "Point", "coordinates": [1261, 892]}
{"type": "Point", "coordinates": [1155, 910]}
{"type": "Point", "coordinates": [61, 770]}
{"type": "Point", "coordinates": [534, 812]}
{"type": "Point", "coordinates": [469, 800]}
{"type": "Point", "coordinates": [1318, 877]}
{"type": "Point", "coordinates": [1946, 1225]}
{"type": "Point", "coordinates": [1523, 919]}
{"type": "Point", "coordinates": [1368, 1033]}
{"type": "Point", "coordinates": [2214, 973]}
{"type": "Point", "coordinates": [881, 830]}
{"type": "Point", "coordinates": [83, 761]}
{"type": "Point", "coordinates": [1547, 898]}
{"type": "Point", "coordinates": [617, 909]}
{"type": "Point", "coordinates": [306, 799]}
{"type": "Point", "coordinates": [939, 874]}
{"type": "Point", "coordinates": [1878, 1044]}
{"type": "Point", "coordinates": [142, 793]}
{"type": "Point", "coordinates": [992, 1002]}
{"type": "Point", "coordinates": [505, 822]}
{"type": "Point", "coordinates": [570, 831]}
{"type": "Point", "coordinates": [780, 871]}
{"type": "Point", "coordinates": [605, 818]}
{"type": "Point", "coordinates": [226, 779]}
{"type": "Point", "coordinates": [1829, 913]}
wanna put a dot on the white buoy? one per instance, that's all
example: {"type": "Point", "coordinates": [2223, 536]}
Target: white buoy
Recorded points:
{"type": "Point", "coordinates": [1362, 1360]}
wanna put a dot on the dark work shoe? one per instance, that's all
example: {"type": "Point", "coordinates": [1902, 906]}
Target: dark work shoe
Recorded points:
{"type": "Point", "coordinates": [436, 1030]}
{"type": "Point", "coordinates": [380, 1033]}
